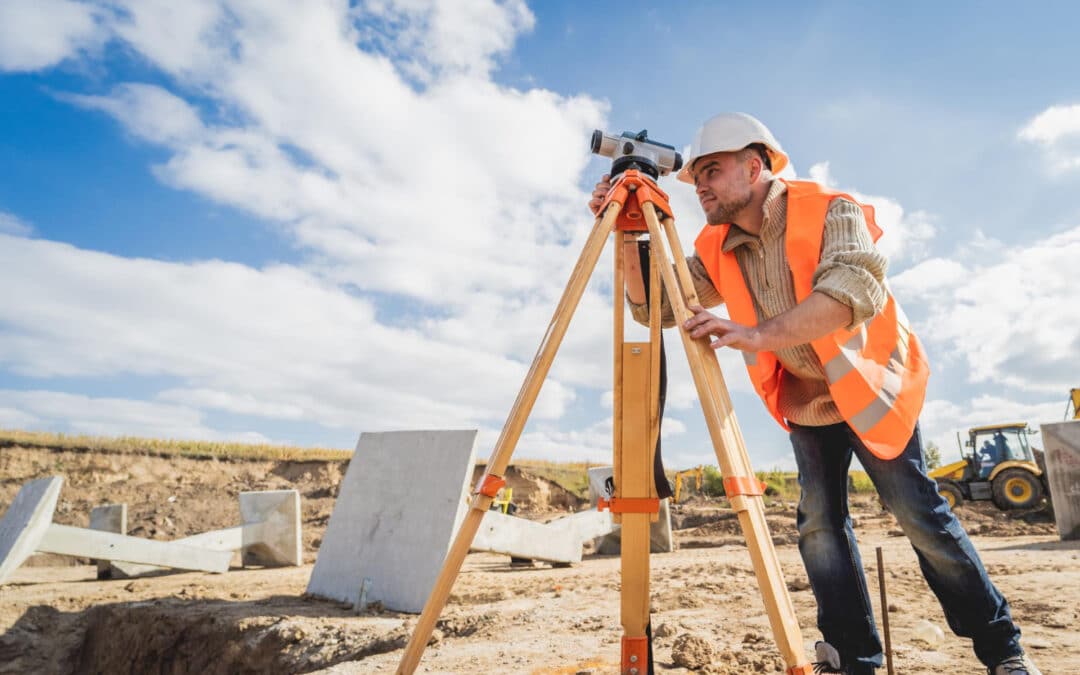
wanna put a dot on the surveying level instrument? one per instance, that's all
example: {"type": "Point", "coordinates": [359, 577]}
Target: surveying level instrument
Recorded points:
{"type": "Point", "coordinates": [634, 206]}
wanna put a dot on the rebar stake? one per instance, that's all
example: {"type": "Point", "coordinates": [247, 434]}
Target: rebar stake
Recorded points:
{"type": "Point", "coordinates": [884, 610]}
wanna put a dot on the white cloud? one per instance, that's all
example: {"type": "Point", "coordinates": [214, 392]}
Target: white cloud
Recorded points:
{"type": "Point", "coordinates": [1010, 316]}
{"type": "Point", "coordinates": [429, 38]}
{"type": "Point", "coordinates": [149, 112]}
{"type": "Point", "coordinates": [438, 213]}
{"type": "Point", "coordinates": [1057, 131]}
{"type": "Point", "coordinates": [451, 200]}
{"type": "Point", "coordinates": [11, 418]}
{"type": "Point", "coordinates": [14, 225]}
{"type": "Point", "coordinates": [1052, 124]}
{"type": "Point", "coordinates": [389, 187]}
{"type": "Point", "coordinates": [111, 417]}
{"type": "Point", "coordinates": [38, 34]}
{"type": "Point", "coordinates": [276, 342]}
{"type": "Point", "coordinates": [906, 235]}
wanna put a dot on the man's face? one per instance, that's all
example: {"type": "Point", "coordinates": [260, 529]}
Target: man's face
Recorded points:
{"type": "Point", "coordinates": [722, 181]}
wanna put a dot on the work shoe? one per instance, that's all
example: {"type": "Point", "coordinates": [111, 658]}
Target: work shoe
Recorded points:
{"type": "Point", "coordinates": [1015, 665]}
{"type": "Point", "coordinates": [828, 661]}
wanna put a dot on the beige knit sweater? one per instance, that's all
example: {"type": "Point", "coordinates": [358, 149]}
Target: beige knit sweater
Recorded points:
{"type": "Point", "coordinates": [851, 271]}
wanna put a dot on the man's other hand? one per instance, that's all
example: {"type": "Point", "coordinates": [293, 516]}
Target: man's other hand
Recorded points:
{"type": "Point", "coordinates": [599, 192]}
{"type": "Point", "coordinates": [727, 333]}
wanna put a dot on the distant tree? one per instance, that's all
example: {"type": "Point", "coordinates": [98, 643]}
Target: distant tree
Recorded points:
{"type": "Point", "coordinates": [932, 453]}
{"type": "Point", "coordinates": [712, 484]}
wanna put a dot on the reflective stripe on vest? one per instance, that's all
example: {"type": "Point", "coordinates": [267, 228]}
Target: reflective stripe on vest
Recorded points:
{"type": "Point", "coordinates": [876, 373]}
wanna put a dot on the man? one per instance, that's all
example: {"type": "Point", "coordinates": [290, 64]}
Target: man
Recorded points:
{"type": "Point", "coordinates": [833, 358]}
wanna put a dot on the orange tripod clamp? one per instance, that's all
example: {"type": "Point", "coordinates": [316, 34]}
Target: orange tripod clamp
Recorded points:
{"type": "Point", "coordinates": [629, 504]}
{"type": "Point", "coordinates": [490, 485]}
{"type": "Point", "coordinates": [632, 189]}
{"type": "Point", "coordinates": [743, 486]}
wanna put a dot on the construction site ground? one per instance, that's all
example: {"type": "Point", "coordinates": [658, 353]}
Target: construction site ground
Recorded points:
{"type": "Point", "coordinates": [56, 617]}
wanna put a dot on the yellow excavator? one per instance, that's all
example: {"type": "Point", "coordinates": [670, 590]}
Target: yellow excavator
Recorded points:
{"type": "Point", "coordinates": [1074, 403]}
{"type": "Point", "coordinates": [697, 473]}
{"type": "Point", "coordinates": [1002, 467]}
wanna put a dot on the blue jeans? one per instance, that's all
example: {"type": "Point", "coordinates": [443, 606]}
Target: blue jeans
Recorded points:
{"type": "Point", "coordinates": [973, 607]}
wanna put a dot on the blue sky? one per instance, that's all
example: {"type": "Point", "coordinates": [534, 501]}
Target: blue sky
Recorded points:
{"type": "Point", "coordinates": [294, 222]}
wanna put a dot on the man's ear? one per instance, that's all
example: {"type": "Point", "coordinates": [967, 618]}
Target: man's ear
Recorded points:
{"type": "Point", "coordinates": [756, 167]}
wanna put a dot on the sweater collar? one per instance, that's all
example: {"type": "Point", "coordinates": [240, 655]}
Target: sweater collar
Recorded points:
{"type": "Point", "coordinates": [773, 210]}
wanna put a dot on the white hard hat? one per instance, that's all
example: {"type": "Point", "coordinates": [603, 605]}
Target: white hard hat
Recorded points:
{"type": "Point", "coordinates": [729, 132]}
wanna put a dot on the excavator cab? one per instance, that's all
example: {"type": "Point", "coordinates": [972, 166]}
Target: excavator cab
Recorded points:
{"type": "Point", "coordinates": [1000, 466]}
{"type": "Point", "coordinates": [997, 444]}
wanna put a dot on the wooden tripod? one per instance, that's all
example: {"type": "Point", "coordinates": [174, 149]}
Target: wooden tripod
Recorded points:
{"type": "Point", "coordinates": [634, 205]}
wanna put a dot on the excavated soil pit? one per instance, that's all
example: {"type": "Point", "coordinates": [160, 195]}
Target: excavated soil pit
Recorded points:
{"type": "Point", "coordinates": [211, 637]}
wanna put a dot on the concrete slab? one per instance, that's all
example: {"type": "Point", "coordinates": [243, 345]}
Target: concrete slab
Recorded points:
{"type": "Point", "coordinates": [397, 511]}
{"type": "Point", "coordinates": [86, 543]}
{"type": "Point", "coordinates": [26, 521]}
{"type": "Point", "coordinates": [661, 538]}
{"type": "Point", "coordinates": [1061, 443]}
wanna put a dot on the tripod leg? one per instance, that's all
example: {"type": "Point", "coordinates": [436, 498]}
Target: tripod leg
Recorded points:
{"type": "Point", "coordinates": [730, 451]}
{"type": "Point", "coordinates": [636, 403]}
{"type": "Point", "coordinates": [634, 484]}
{"type": "Point", "coordinates": [511, 432]}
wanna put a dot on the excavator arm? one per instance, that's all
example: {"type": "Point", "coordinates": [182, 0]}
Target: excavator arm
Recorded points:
{"type": "Point", "coordinates": [1074, 401]}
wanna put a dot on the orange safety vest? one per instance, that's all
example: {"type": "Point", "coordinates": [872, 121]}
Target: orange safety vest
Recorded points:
{"type": "Point", "coordinates": [876, 373]}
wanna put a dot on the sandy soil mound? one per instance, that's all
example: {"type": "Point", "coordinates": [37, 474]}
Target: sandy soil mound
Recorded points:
{"type": "Point", "coordinates": [536, 495]}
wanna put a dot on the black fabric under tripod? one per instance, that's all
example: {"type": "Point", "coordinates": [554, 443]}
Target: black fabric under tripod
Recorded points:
{"type": "Point", "coordinates": [663, 487]}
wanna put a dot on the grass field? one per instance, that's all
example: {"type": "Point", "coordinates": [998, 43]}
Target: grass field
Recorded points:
{"type": "Point", "coordinates": [167, 447]}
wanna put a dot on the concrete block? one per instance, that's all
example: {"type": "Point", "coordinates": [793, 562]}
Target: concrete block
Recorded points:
{"type": "Point", "coordinates": [585, 525]}
{"type": "Point", "coordinates": [108, 518]}
{"type": "Point", "coordinates": [660, 535]}
{"type": "Point", "coordinates": [271, 528]}
{"type": "Point", "coordinates": [1061, 443]}
{"type": "Point", "coordinates": [26, 521]}
{"type": "Point", "coordinates": [522, 538]}
{"type": "Point", "coordinates": [558, 541]}
{"type": "Point", "coordinates": [269, 536]}
{"type": "Point", "coordinates": [396, 514]}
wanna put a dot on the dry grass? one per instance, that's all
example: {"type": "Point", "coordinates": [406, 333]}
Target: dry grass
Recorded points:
{"type": "Point", "coordinates": [166, 447]}
{"type": "Point", "coordinates": [571, 476]}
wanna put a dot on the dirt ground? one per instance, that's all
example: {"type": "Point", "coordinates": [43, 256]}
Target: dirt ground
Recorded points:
{"type": "Point", "coordinates": [707, 613]}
